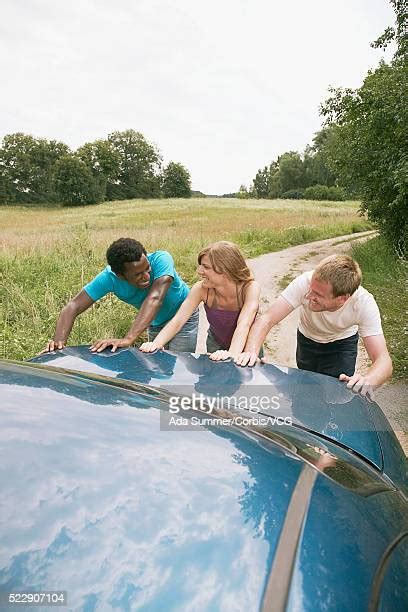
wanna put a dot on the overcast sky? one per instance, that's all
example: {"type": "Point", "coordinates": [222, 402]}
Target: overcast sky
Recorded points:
{"type": "Point", "coordinates": [222, 86]}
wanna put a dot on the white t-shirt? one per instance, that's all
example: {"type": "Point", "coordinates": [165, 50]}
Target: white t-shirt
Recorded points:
{"type": "Point", "coordinates": [360, 313]}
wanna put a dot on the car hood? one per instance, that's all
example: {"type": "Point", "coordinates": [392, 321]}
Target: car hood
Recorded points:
{"type": "Point", "coordinates": [100, 500]}
{"type": "Point", "coordinates": [315, 402]}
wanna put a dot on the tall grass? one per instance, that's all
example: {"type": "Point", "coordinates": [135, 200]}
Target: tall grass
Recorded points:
{"type": "Point", "coordinates": [48, 254]}
{"type": "Point", "coordinates": [386, 276]}
{"type": "Point", "coordinates": [255, 242]}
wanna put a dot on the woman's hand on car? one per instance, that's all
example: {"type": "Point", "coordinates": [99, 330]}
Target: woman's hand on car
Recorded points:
{"type": "Point", "coordinates": [220, 355]}
{"type": "Point", "coordinates": [149, 347]}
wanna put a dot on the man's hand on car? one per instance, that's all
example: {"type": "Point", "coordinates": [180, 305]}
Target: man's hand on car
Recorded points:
{"type": "Point", "coordinates": [53, 345]}
{"type": "Point", "coordinates": [359, 384]}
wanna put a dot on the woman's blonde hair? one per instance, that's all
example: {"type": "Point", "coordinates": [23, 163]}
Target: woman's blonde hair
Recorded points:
{"type": "Point", "coordinates": [226, 258]}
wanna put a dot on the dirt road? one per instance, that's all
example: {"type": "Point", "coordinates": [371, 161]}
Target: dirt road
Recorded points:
{"type": "Point", "coordinates": [274, 271]}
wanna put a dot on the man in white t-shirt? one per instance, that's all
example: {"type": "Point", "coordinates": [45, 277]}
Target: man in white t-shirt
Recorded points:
{"type": "Point", "coordinates": [334, 310]}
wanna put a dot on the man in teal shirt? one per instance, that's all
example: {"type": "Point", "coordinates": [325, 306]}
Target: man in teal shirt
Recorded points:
{"type": "Point", "coordinates": [147, 281]}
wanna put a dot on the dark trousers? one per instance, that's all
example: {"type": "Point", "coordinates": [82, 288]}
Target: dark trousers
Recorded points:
{"type": "Point", "coordinates": [332, 358]}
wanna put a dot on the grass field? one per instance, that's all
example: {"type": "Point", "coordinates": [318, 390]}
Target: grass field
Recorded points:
{"type": "Point", "coordinates": [48, 253]}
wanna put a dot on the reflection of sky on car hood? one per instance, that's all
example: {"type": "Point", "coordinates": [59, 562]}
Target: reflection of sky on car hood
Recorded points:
{"type": "Point", "coordinates": [319, 403]}
{"type": "Point", "coordinates": [70, 362]}
{"type": "Point", "coordinates": [117, 512]}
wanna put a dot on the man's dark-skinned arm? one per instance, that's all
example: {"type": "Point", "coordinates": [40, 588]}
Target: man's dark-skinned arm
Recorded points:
{"type": "Point", "coordinates": [150, 307]}
{"type": "Point", "coordinates": [66, 319]}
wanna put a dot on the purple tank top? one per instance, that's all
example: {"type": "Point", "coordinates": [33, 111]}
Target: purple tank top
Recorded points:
{"type": "Point", "coordinates": [222, 323]}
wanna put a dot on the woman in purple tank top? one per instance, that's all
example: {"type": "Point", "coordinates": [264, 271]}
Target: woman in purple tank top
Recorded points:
{"type": "Point", "coordinates": [230, 296]}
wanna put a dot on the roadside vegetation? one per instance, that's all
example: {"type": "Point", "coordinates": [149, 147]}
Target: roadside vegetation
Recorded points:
{"type": "Point", "coordinates": [48, 254]}
{"type": "Point", "coordinates": [361, 149]}
{"type": "Point", "coordinates": [386, 276]}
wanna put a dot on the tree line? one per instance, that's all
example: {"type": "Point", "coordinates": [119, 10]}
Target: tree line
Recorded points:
{"type": "Point", "coordinates": [124, 166]}
{"type": "Point", "coordinates": [362, 150]}
{"type": "Point", "coordinates": [296, 176]}
{"type": "Point", "coordinates": [369, 147]}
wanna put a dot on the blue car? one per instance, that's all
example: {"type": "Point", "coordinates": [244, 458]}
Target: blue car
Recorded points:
{"type": "Point", "coordinates": [170, 482]}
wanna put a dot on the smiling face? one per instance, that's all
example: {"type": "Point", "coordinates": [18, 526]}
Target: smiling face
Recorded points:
{"type": "Point", "coordinates": [320, 296]}
{"type": "Point", "coordinates": [137, 273]}
{"type": "Point", "coordinates": [209, 277]}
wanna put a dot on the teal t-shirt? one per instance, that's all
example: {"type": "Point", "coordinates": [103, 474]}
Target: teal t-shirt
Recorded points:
{"type": "Point", "coordinates": [162, 264]}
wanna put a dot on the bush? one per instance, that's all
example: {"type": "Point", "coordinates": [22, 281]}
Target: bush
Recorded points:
{"type": "Point", "coordinates": [322, 192]}
{"type": "Point", "coordinates": [293, 194]}
{"type": "Point", "coordinates": [317, 192]}
{"type": "Point", "coordinates": [336, 194]}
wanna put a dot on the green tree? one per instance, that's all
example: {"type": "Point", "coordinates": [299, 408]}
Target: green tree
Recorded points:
{"type": "Point", "coordinates": [101, 157]}
{"type": "Point", "coordinates": [285, 174]}
{"type": "Point", "coordinates": [243, 193]}
{"type": "Point", "coordinates": [275, 185]}
{"type": "Point", "coordinates": [266, 183]}
{"type": "Point", "coordinates": [260, 184]}
{"type": "Point", "coordinates": [27, 166]}
{"type": "Point", "coordinates": [176, 181]}
{"type": "Point", "coordinates": [103, 160]}
{"type": "Point", "coordinates": [139, 165]}
{"type": "Point", "coordinates": [397, 33]}
{"type": "Point", "coordinates": [6, 187]}
{"type": "Point", "coordinates": [74, 183]}
{"type": "Point", "coordinates": [370, 128]}
{"type": "Point", "coordinates": [316, 164]}
{"type": "Point", "coordinates": [291, 171]}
